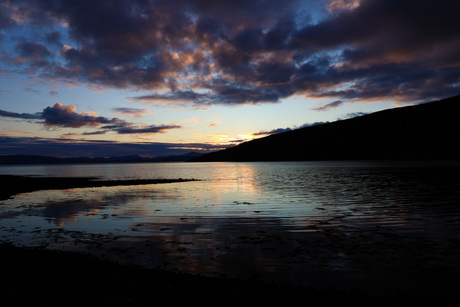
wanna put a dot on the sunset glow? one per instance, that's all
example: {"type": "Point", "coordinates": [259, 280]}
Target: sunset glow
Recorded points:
{"type": "Point", "coordinates": [80, 78]}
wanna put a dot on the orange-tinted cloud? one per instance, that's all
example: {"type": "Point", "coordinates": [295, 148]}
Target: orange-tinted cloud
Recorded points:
{"type": "Point", "coordinates": [339, 5]}
{"type": "Point", "coordinates": [131, 111]}
{"type": "Point", "coordinates": [66, 116]}
{"type": "Point", "coordinates": [248, 52]}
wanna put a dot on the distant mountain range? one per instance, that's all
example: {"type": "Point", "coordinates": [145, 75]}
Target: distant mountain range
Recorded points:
{"type": "Point", "coordinates": [29, 159]}
{"type": "Point", "coordinates": [425, 131]}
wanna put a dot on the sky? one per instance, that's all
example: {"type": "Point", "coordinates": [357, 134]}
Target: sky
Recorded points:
{"type": "Point", "coordinates": [165, 77]}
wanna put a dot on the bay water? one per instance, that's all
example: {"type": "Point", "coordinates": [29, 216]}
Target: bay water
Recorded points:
{"type": "Point", "coordinates": [238, 219]}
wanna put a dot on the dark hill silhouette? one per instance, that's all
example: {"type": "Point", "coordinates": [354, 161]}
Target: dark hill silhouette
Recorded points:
{"type": "Point", "coordinates": [425, 131]}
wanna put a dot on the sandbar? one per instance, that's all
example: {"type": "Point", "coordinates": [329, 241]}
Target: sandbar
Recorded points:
{"type": "Point", "coordinates": [12, 184]}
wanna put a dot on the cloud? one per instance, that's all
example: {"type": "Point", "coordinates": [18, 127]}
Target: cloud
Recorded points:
{"type": "Point", "coordinates": [391, 59]}
{"type": "Point", "coordinates": [242, 52]}
{"type": "Point", "coordinates": [274, 131]}
{"type": "Point", "coordinates": [192, 120]}
{"type": "Point", "coordinates": [281, 130]}
{"type": "Point", "coordinates": [32, 90]}
{"type": "Point", "coordinates": [122, 127]}
{"type": "Point", "coordinates": [313, 124]}
{"type": "Point", "coordinates": [95, 132]}
{"type": "Point", "coordinates": [4, 113]}
{"type": "Point", "coordinates": [327, 106]}
{"type": "Point", "coordinates": [222, 93]}
{"type": "Point", "coordinates": [146, 129]}
{"type": "Point", "coordinates": [33, 50]}
{"type": "Point", "coordinates": [54, 38]}
{"type": "Point", "coordinates": [66, 116]}
{"type": "Point", "coordinates": [399, 104]}
{"type": "Point", "coordinates": [340, 5]}
{"type": "Point", "coordinates": [131, 111]}
{"type": "Point", "coordinates": [6, 17]}
{"type": "Point", "coordinates": [63, 116]}
{"type": "Point", "coordinates": [215, 123]}
{"type": "Point", "coordinates": [73, 135]}
{"type": "Point", "coordinates": [352, 115]}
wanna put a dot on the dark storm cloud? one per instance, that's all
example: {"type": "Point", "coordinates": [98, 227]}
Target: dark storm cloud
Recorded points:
{"type": "Point", "coordinates": [35, 54]}
{"type": "Point", "coordinates": [247, 51]}
{"type": "Point", "coordinates": [54, 38]}
{"type": "Point", "coordinates": [403, 26]}
{"type": "Point", "coordinates": [63, 116]}
{"type": "Point", "coordinates": [33, 50]}
{"type": "Point", "coordinates": [66, 116]}
{"type": "Point", "coordinates": [237, 12]}
{"type": "Point", "coordinates": [397, 47]}
{"type": "Point", "coordinates": [220, 92]}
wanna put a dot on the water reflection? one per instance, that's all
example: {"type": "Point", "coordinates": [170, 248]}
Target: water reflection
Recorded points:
{"type": "Point", "coordinates": [60, 213]}
{"type": "Point", "coordinates": [282, 219]}
{"type": "Point", "coordinates": [330, 195]}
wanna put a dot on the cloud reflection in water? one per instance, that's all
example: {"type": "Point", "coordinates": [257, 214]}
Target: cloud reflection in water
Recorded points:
{"type": "Point", "coordinates": [253, 218]}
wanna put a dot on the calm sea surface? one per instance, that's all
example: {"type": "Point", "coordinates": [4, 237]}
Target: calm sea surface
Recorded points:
{"type": "Point", "coordinates": [240, 216]}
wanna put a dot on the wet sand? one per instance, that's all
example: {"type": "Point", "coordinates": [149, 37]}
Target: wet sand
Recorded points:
{"type": "Point", "coordinates": [339, 263]}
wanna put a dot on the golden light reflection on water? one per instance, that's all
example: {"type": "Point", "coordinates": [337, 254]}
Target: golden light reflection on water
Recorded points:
{"type": "Point", "coordinates": [254, 216]}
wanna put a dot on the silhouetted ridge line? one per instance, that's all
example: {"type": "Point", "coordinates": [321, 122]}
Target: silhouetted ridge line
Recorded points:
{"type": "Point", "coordinates": [425, 131]}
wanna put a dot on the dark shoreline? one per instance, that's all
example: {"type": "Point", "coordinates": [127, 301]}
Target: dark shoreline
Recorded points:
{"type": "Point", "coordinates": [12, 184]}
{"type": "Point", "coordinates": [47, 278]}
{"type": "Point", "coordinates": [39, 277]}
